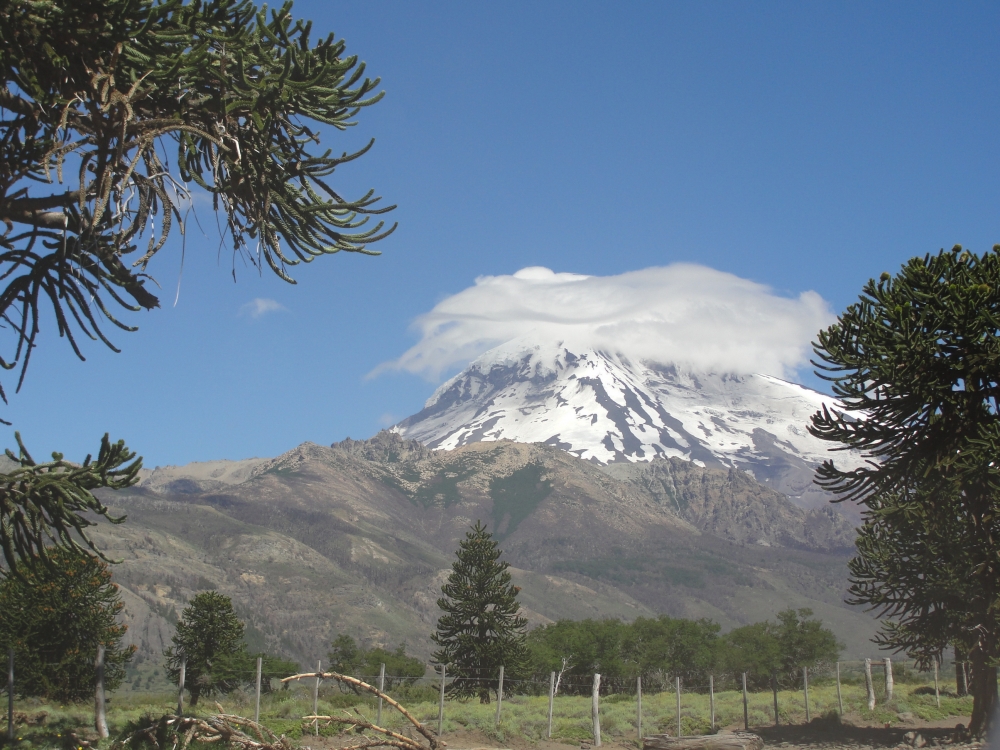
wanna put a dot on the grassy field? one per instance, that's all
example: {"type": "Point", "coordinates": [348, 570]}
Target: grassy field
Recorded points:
{"type": "Point", "coordinates": [522, 717]}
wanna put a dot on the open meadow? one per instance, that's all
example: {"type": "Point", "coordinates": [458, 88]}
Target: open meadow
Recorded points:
{"type": "Point", "coordinates": [523, 720]}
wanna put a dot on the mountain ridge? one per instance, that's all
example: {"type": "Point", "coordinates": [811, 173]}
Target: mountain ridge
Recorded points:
{"type": "Point", "coordinates": [356, 537]}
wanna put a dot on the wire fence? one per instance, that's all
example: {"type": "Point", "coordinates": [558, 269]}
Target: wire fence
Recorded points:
{"type": "Point", "coordinates": [878, 677]}
{"type": "Point", "coordinates": [756, 691]}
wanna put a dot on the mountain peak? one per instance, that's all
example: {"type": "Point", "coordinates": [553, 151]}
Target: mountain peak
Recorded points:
{"type": "Point", "coordinates": [603, 407]}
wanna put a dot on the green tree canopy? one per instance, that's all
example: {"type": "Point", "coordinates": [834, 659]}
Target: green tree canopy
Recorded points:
{"type": "Point", "coordinates": [915, 364]}
{"type": "Point", "coordinates": [113, 114]}
{"type": "Point", "coordinates": [54, 617]}
{"type": "Point", "coordinates": [346, 657]}
{"type": "Point", "coordinates": [481, 628]}
{"type": "Point", "coordinates": [752, 649]}
{"type": "Point", "coordinates": [209, 639]}
{"type": "Point", "coordinates": [657, 648]}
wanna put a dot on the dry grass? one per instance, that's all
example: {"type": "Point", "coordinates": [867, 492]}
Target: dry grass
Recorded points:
{"type": "Point", "coordinates": [524, 717]}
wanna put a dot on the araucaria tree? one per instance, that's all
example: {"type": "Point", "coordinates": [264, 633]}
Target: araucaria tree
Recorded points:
{"type": "Point", "coordinates": [481, 628]}
{"type": "Point", "coordinates": [114, 114]}
{"type": "Point", "coordinates": [54, 616]}
{"type": "Point", "coordinates": [916, 365]}
{"type": "Point", "coordinates": [209, 638]}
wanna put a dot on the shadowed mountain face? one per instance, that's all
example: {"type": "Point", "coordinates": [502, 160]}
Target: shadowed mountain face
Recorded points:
{"type": "Point", "coordinates": [357, 538]}
{"type": "Point", "coordinates": [608, 409]}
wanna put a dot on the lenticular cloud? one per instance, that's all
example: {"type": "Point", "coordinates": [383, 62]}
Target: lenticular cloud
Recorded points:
{"type": "Point", "coordinates": [682, 314]}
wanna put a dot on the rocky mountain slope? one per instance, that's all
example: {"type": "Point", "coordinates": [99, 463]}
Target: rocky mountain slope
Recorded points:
{"type": "Point", "coordinates": [605, 408]}
{"type": "Point", "coordinates": [358, 538]}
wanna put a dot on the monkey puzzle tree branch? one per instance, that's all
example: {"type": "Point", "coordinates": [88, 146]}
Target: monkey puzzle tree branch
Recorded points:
{"type": "Point", "coordinates": [106, 89]}
{"type": "Point", "coordinates": [45, 503]}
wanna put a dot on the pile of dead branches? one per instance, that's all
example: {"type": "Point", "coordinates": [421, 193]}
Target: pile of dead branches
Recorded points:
{"type": "Point", "coordinates": [376, 736]}
{"type": "Point", "coordinates": [177, 732]}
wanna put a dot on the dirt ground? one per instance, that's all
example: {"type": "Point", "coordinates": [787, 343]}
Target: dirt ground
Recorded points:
{"type": "Point", "coordinates": [815, 736]}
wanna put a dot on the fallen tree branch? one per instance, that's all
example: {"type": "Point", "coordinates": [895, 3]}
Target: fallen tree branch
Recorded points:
{"type": "Point", "coordinates": [391, 739]}
{"type": "Point", "coordinates": [226, 728]}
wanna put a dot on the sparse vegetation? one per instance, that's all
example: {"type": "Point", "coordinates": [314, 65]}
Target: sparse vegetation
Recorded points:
{"type": "Point", "coordinates": [523, 716]}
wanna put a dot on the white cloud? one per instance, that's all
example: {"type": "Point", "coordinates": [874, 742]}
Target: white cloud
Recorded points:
{"type": "Point", "coordinates": [683, 314]}
{"type": "Point", "coordinates": [259, 306]}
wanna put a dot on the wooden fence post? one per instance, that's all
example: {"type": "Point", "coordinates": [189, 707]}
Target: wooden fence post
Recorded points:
{"type": "Point", "coordinates": [552, 693]}
{"type": "Point", "coordinates": [595, 709]}
{"type": "Point", "coordinates": [319, 671]}
{"type": "Point", "coordinates": [10, 695]}
{"type": "Point", "coordinates": [805, 689]}
{"type": "Point", "coordinates": [499, 695]}
{"type": "Point", "coordinates": [441, 704]}
{"type": "Point", "coordinates": [638, 707]}
{"type": "Point", "coordinates": [937, 692]}
{"type": "Point", "coordinates": [868, 684]}
{"type": "Point", "coordinates": [774, 695]}
{"type": "Point", "coordinates": [677, 683]}
{"type": "Point", "coordinates": [180, 686]}
{"type": "Point", "coordinates": [746, 713]}
{"type": "Point", "coordinates": [711, 699]}
{"type": "Point", "coordinates": [888, 680]}
{"type": "Point", "coordinates": [840, 698]}
{"type": "Point", "coordinates": [256, 711]}
{"type": "Point", "coordinates": [381, 689]}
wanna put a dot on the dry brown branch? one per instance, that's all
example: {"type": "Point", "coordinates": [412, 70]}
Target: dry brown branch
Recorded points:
{"type": "Point", "coordinates": [391, 739]}
{"type": "Point", "coordinates": [227, 728]}
{"type": "Point", "coordinates": [394, 739]}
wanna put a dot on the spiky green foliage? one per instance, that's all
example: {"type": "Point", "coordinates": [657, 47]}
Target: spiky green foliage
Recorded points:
{"type": "Point", "coordinates": [54, 617]}
{"type": "Point", "coordinates": [481, 628]}
{"type": "Point", "coordinates": [209, 639]}
{"type": "Point", "coordinates": [111, 111]}
{"type": "Point", "coordinates": [916, 364]}
{"type": "Point", "coordinates": [52, 503]}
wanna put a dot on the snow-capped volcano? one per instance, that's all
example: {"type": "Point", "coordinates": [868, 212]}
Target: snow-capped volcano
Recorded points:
{"type": "Point", "coordinates": [606, 408]}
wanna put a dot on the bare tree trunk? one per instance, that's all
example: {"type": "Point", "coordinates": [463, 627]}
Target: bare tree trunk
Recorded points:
{"type": "Point", "coordinates": [566, 664]}
{"type": "Point", "coordinates": [180, 687]}
{"type": "Point", "coordinates": [984, 694]}
{"type": "Point", "coordinates": [961, 684]}
{"type": "Point", "coordinates": [100, 715]}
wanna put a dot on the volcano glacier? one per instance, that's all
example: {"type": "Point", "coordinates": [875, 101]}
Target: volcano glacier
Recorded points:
{"type": "Point", "coordinates": [608, 409]}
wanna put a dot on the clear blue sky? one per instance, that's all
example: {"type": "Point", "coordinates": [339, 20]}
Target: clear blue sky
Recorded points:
{"type": "Point", "coordinates": [806, 146]}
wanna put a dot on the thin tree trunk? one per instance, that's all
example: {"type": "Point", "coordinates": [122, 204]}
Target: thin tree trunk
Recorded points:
{"type": "Point", "coordinates": [499, 695]}
{"type": "Point", "coordinates": [937, 691]}
{"type": "Point", "coordinates": [984, 694]}
{"type": "Point", "coordinates": [100, 706]}
{"type": "Point", "coordinates": [441, 704]}
{"type": "Point", "coordinates": [10, 695]}
{"type": "Point", "coordinates": [961, 684]}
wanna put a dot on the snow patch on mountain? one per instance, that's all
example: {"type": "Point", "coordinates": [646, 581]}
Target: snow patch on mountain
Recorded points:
{"type": "Point", "coordinates": [604, 407]}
